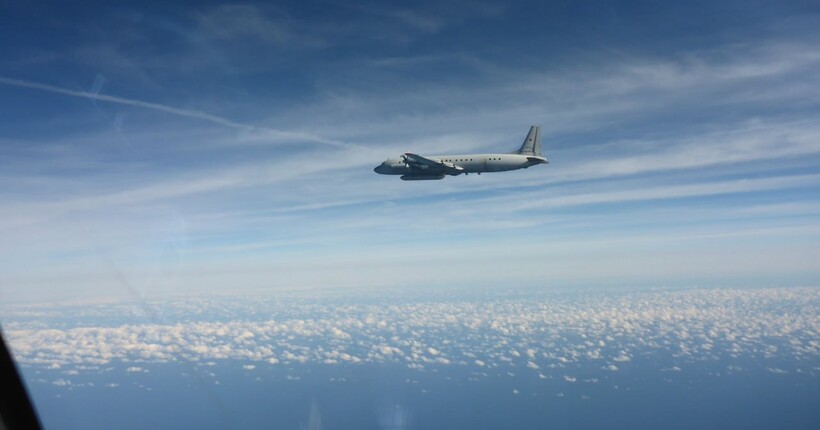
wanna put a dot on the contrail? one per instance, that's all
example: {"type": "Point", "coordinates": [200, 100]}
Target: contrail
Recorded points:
{"type": "Point", "coordinates": [170, 109]}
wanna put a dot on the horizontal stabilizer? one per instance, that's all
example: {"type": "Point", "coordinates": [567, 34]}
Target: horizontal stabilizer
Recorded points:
{"type": "Point", "coordinates": [537, 160]}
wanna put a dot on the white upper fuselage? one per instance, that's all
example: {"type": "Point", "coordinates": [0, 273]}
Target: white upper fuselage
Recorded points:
{"type": "Point", "coordinates": [473, 163]}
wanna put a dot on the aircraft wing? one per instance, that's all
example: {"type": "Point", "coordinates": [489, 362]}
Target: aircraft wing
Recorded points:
{"type": "Point", "coordinates": [426, 164]}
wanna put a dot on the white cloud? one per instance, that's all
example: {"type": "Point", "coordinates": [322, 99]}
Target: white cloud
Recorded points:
{"type": "Point", "coordinates": [340, 334]}
{"type": "Point", "coordinates": [193, 114]}
{"type": "Point", "coordinates": [622, 357]}
{"type": "Point", "coordinates": [657, 322]}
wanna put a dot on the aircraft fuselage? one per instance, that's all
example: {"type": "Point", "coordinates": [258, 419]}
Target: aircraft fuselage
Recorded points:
{"type": "Point", "coordinates": [473, 163]}
{"type": "Point", "coordinates": [414, 167]}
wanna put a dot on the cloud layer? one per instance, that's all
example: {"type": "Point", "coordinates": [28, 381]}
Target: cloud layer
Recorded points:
{"type": "Point", "coordinates": [546, 336]}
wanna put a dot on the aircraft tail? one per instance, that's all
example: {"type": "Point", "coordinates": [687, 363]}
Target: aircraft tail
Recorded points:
{"type": "Point", "coordinates": [532, 144]}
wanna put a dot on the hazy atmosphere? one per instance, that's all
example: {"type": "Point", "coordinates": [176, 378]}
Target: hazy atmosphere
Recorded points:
{"type": "Point", "coordinates": [193, 235]}
{"type": "Point", "coordinates": [182, 148]}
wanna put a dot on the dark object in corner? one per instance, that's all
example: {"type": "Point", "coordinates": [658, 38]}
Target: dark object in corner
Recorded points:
{"type": "Point", "coordinates": [16, 410]}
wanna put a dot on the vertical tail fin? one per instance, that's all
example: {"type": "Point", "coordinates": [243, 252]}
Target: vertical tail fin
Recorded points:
{"type": "Point", "coordinates": [532, 144]}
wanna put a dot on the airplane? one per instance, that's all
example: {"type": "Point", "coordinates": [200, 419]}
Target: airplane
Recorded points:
{"type": "Point", "coordinates": [414, 167]}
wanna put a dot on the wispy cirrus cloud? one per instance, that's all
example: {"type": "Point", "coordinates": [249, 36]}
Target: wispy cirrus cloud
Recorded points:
{"type": "Point", "coordinates": [272, 154]}
{"type": "Point", "coordinates": [251, 22]}
{"type": "Point", "coordinates": [187, 113]}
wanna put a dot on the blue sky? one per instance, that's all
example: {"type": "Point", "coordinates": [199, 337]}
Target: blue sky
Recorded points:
{"type": "Point", "coordinates": [174, 148]}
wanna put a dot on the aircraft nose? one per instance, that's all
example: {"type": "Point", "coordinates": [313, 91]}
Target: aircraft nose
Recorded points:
{"type": "Point", "coordinates": [381, 168]}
